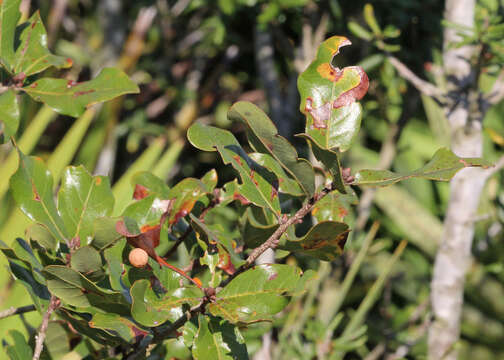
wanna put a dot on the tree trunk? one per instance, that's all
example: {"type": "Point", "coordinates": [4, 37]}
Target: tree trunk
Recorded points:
{"type": "Point", "coordinates": [454, 254]}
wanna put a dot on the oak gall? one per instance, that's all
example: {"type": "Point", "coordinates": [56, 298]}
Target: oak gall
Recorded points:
{"type": "Point", "coordinates": [138, 258]}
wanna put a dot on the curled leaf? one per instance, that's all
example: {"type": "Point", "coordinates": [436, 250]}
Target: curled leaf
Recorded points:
{"type": "Point", "coordinates": [329, 95]}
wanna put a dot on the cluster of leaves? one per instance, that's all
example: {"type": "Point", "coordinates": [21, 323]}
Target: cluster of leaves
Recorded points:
{"type": "Point", "coordinates": [24, 53]}
{"type": "Point", "coordinates": [77, 250]}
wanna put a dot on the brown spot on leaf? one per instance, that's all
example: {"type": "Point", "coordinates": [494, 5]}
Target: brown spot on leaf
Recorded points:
{"type": "Point", "coordinates": [238, 159]}
{"type": "Point", "coordinates": [139, 334]}
{"type": "Point", "coordinates": [84, 92]}
{"type": "Point", "coordinates": [355, 93]}
{"type": "Point", "coordinates": [34, 85]}
{"type": "Point", "coordinates": [140, 192]}
{"type": "Point", "coordinates": [272, 276]}
{"type": "Point", "coordinates": [36, 196]}
{"type": "Point", "coordinates": [252, 177]}
{"type": "Point", "coordinates": [465, 163]}
{"type": "Point", "coordinates": [185, 209]}
{"type": "Point", "coordinates": [274, 189]}
{"type": "Point", "coordinates": [320, 115]}
{"type": "Point", "coordinates": [225, 263]}
{"type": "Point", "coordinates": [328, 72]}
{"type": "Point", "coordinates": [241, 198]}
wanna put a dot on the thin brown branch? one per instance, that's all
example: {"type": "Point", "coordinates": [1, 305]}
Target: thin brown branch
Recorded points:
{"type": "Point", "coordinates": [16, 311]}
{"type": "Point", "coordinates": [270, 243]}
{"type": "Point", "coordinates": [54, 303]}
{"type": "Point", "coordinates": [421, 85]}
{"type": "Point", "coordinates": [499, 165]}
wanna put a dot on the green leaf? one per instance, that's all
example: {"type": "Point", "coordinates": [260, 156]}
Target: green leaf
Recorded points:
{"type": "Point", "coordinates": [80, 323]}
{"type": "Point", "coordinates": [257, 294]}
{"type": "Point", "coordinates": [19, 350]}
{"type": "Point", "coordinates": [210, 180]}
{"type": "Point", "coordinates": [442, 167]}
{"type": "Point", "coordinates": [57, 341]}
{"type": "Point", "coordinates": [359, 31]}
{"type": "Point", "coordinates": [328, 96]}
{"type": "Point", "coordinates": [76, 290]}
{"type": "Point", "coordinates": [9, 17]}
{"type": "Point", "coordinates": [32, 55]}
{"type": "Point", "coordinates": [212, 237]}
{"type": "Point", "coordinates": [265, 139]}
{"type": "Point", "coordinates": [32, 188]}
{"type": "Point", "coordinates": [370, 18]}
{"type": "Point", "coordinates": [87, 261]}
{"type": "Point", "coordinates": [41, 235]}
{"type": "Point", "coordinates": [69, 98]}
{"type": "Point", "coordinates": [9, 115]}
{"type": "Point", "coordinates": [152, 184]}
{"type": "Point", "coordinates": [114, 260]}
{"type": "Point", "coordinates": [286, 184]}
{"type": "Point", "coordinates": [331, 161]}
{"type": "Point", "coordinates": [104, 231]}
{"type": "Point", "coordinates": [23, 272]}
{"type": "Point", "coordinates": [151, 309]}
{"type": "Point", "coordinates": [125, 328]}
{"type": "Point", "coordinates": [83, 198]}
{"type": "Point", "coordinates": [217, 339]}
{"type": "Point", "coordinates": [255, 232]}
{"type": "Point", "coordinates": [258, 184]}
{"type": "Point", "coordinates": [334, 206]}
{"type": "Point", "coordinates": [147, 211]}
{"type": "Point", "coordinates": [324, 241]}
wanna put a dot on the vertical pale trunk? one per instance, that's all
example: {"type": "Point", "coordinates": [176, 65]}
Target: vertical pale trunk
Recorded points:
{"type": "Point", "coordinates": [454, 254]}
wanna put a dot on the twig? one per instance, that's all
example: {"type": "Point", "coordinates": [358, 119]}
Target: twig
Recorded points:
{"type": "Point", "coordinates": [15, 311]}
{"type": "Point", "coordinates": [387, 153]}
{"type": "Point", "coordinates": [271, 243]}
{"type": "Point", "coordinates": [273, 240]}
{"type": "Point", "coordinates": [421, 85]}
{"type": "Point", "coordinates": [40, 337]}
{"type": "Point", "coordinates": [499, 165]}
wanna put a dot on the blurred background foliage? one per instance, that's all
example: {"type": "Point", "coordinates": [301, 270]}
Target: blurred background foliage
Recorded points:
{"type": "Point", "coordinates": [192, 59]}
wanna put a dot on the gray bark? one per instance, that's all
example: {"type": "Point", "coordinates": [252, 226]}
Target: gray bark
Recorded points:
{"type": "Point", "coordinates": [454, 255]}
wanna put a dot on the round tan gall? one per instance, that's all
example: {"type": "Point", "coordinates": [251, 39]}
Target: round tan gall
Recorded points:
{"type": "Point", "coordinates": [138, 258]}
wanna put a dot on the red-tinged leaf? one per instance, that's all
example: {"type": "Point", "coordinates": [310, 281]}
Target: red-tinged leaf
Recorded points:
{"type": "Point", "coordinates": [329, 95]}
{"type": "Point", "coordinates": [147, 240]}
{"type": "Point", "coordinates": [148, 184]}
{"type": "Point", "coordinates": [184, 196]}
{"type": "Point", "coordinates": [140, 192]}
